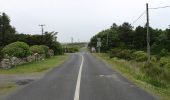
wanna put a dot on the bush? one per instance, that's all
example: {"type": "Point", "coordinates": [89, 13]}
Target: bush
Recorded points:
{"type": "Point", "coordinates": [114, 52]}
{"type": "Point", "coordinates": [125, 54]}
{"type": "Point", "coordinates": [37, 49]}
{"type": "Point", "coordinates": [17, 49]}
{"type": "Point", "coordinates": [1, 56]}
{"type": "Point", "coordinates": [121, 53]}
{"type": "Point", "coordinates": [56, 47]}
{"type": "Point", "coordinates": [154, 58]}
{"type": "Point", "coordinates": [46, 50]}
{"type": "Point", "coordinates": [163, 52]}
{"type": "Point", "coordinates": [165, 61]}
{"type": "Point", "coordinates": [139, 56]}
{"type": "Point", "coordinates": [157, 76]}
{"type": "Point", "coordinates": [73, 49]}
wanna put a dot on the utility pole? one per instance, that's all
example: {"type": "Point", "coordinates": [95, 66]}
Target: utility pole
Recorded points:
{"type": "Point", "coordinates": [42, 28]}
{"type": "Point", "coordinates": [107, 40]}
{"type": "Point", "coordinates": [169, 26]}
{"type": "Point", "coordinates": [99, 44]}
{"type": "Point", "coordinates": [148, 34]}
{"type": "Point", "coordinates": [72, 40]}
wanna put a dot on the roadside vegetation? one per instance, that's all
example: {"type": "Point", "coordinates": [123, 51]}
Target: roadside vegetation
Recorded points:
{"type": "Point", "coordinates": [18, 48]}
{"type": "Point", "coordinates": [126, 52]}
{"type": "Point", "coordinates": [39, 66]}
{"type": "Point", "coordinates": [73, 47]}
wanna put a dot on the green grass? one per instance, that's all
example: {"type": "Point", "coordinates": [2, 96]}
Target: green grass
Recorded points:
{"type": "Point", "coordinates": [36, 66]}
{"type": "Point", "coordinates": [131, 70]}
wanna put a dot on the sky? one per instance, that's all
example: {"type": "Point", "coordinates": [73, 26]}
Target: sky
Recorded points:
{"type": "Point", "coordinates": [81, 19]}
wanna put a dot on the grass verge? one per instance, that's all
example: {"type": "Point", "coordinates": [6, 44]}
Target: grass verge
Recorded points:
{"type": "Point", "coordinates": [36, 66]}
{"type": "Point", "coordinates": [132, 71]}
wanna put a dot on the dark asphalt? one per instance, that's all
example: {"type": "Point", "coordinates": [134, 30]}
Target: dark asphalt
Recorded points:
{"type": "Point", "coordinates": [98, 82]}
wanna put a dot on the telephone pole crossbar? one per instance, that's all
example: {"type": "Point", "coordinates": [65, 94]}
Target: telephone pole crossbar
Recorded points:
{"type": "Point", "coordinates": [42, 28]}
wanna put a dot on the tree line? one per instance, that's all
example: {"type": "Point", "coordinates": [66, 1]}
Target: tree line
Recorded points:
{"type": "Point", "coordinates": [125, 36]}
{"type": "Point", "coordinates": [8, 34]}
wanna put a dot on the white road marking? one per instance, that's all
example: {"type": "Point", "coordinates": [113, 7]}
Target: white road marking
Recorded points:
{"type": "Point", "coordinates": [77, 90]}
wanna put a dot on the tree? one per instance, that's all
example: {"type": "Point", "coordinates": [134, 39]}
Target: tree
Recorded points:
{"type": "Point", "coordinates": [125, 32]}
{"type": "Point", "coordinates": [7, 32]}
{"type": "Point", "coordinates": [140, 38]}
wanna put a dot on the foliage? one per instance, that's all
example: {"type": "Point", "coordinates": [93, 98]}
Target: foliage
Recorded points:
{"type": "Point", "coordinates": [7, 32]}
{"type": "Point", "coordinates": [150, 76]}
{"type": "Point", "coordinates": [37, 49]}
{"type": "Point", "coordinates": [73, 47]}
{"type": "Point", "coordinates": [57, 48]}
{"type": "Point", "coordinates": [40, 66]}
{"type": "Point", "coordinates": [46, 50]}
{"type": "Point", "coordinates": [127, 37]}
{"type": "Point", "coordinates": [121, 53]}
{"type": "Point", "coordinates": [139, 56]}
{"type": "Point", "coordinates": [8, 35]}
{"type": "Point", "coordinates": [48, 39]}
{"type": "Point", "coordinates": [17, 49]}
{"type": "Point", "coordinates": [165, 61]}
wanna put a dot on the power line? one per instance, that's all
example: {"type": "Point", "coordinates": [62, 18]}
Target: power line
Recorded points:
{"type": "Point", "coordinates": [160, 7]}
{"type": "Point", "coordinates": [138, 17]}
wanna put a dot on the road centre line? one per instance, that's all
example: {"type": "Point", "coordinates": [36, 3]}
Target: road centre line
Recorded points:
{"type": "Point", "coordinates": [77, 90]}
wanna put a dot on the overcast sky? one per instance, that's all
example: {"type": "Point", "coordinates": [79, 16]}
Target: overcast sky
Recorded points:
{"type": "Point", "coordinates": [81, 19]}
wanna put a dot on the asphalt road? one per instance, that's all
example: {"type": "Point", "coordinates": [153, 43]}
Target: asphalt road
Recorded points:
{"type": "Point", "coordinates": [81, 77]}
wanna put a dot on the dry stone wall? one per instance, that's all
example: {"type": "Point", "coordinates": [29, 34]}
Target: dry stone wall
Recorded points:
{"type": "Point", "coordinates": [9, 62]}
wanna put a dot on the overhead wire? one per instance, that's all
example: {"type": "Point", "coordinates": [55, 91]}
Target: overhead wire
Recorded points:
{"type": "Point", "coordinates": [145, 12]}
{"type": "Point", "coordinates": [160, 7]}
{"type": "Point", "coordinates": [138, 17]}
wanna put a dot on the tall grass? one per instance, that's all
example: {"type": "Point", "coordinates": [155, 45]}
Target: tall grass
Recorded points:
{"type": "Point", "coordinates": [150, 76]}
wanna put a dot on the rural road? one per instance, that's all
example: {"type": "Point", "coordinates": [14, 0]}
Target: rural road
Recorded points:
{"type": "Point", "coordinates": [81, 77]}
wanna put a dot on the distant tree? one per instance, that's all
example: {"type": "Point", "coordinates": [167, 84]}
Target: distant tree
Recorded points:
{"type": "Point", "coordinates": [125, 32]}
{"type": "Point", "coordinates": [7, 32]}
{"type": "Point", "coordinates": [139, 38]}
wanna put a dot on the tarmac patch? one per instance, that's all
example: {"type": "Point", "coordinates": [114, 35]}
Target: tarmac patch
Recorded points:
{"type": "Point", "coordinates": [24, 82]}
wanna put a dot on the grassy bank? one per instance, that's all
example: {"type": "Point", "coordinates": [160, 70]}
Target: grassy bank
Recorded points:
{"type": "Point", "coordinates": [36, 66]}
{"type": "Point", "coordinates": [132, 71]}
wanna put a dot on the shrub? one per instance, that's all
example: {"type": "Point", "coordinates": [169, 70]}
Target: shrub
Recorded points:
{"type": "Point", "coordinates": [139, 56]}
{"type": "Point", "coordinates": [1, 55]}
{"type": "Point", "coordinates": [164, 61]}
{"type": "Point", "coordinates": [37, 49]}
{"type": "Point", "coordinates": [157, 76]}
{"type": "Point", "coordinates": [121, 53]}
{"type": "Point", "coordinates": [17, 49]}
{"type": "Point", "coordinates": [73, 49]}
{"type": "Point", "coordinates": [125, 54]}
{"type": "Point", "coordinates": [114, 52]}
{"type": "Point", "coordinates": [154, 58]}
{"type": "Point", "coordinates": [56, 47]}
{"type": "Point", "coordinates": [46, 49]}
{"type": "Point", "coordinates": [163, 52]}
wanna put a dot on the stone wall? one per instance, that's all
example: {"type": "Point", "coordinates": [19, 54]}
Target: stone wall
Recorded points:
{"type": "Point", "coordinates": [13, 61]}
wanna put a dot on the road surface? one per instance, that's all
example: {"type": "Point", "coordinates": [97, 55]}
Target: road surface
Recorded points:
{"type": "Point", "coordinates": [81, 77]}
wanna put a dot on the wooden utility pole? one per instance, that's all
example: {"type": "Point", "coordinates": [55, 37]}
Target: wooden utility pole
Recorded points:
{"type": "Point", "coordinates": [107, 42]}
{"type": "Point", "coordinates": [148, 34]}
{"type": "Point", "coordinates": [42, 28]}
